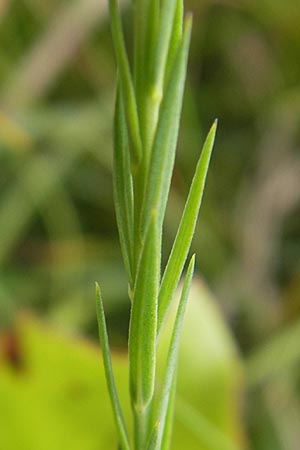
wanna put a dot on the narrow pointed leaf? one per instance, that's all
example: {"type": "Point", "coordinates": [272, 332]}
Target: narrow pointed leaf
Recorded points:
{"type": "Point", "coordinates": [146, 32]}
{"type": "Point", "coordinates": [164, 37]}
{"type": "Point", "coordinates": [168, 428]}
{"type": "Point", "coordinates": [164, 146]}
{"type": "Point", "coordinates": [123, 437]}
{"type": "Point", "coordinates": [206, 433]}
{"type": "Point", "coordinates": [157, 435]}
{"type": "Point", "coordinates": [186, 230]}
{"type": "Point", "coordinates": [155, 66]}
{"type": "Point", "coordinates": [143, 322]}
{"type": "Point", "coordinates": [125, 79]}
{"type": "Point", "coordinates": [152, 33]}
{"type": "Point", "coordinates": [146, 39]}
{"type": "Point", "coordinates": [123, 191]}
{"type": "Point", "coordinates": [176, 37]}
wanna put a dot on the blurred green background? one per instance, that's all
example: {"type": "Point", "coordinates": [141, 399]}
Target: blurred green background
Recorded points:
{"type": "Point", "coordinates": [57, 224]}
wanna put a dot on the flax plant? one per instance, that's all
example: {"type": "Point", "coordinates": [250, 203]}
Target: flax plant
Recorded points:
{"type": "Point", "coordinates": [149, 97]}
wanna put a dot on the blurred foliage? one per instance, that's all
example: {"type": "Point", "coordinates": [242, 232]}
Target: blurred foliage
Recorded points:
{"type": "Point", "coordinates": [57, 223]}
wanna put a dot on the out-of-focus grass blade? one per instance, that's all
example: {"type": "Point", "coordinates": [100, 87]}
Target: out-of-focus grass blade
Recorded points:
{"type": "Point", "coordinates": [143, 322]}
{"type": "Point", "coordinates": [163, 154]}
{"type": "Point", "coordinates": [125, 79]}
{"type": "Point", "coordinates": [277, 355]}
{"type": "Point", "coordinates": [123, 437]}
{"type": "Point", "coordinates": [157, 435]}
{"type": "Point", "coordinates": [36, 181]}
{"type": "Point", "coordinates": [207, 434]}
{"type": "Point", "coordinates": [186, 230]}
{"type": "Point", "coordinates": [123, 190]}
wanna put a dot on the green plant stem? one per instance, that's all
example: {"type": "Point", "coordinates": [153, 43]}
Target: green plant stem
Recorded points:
{"type": "Point", "coordinates": [147, 119]}
{"type": "Point", "coordinates": [141, 427]}
{"type": "Point", "coordinates": [171, 366]}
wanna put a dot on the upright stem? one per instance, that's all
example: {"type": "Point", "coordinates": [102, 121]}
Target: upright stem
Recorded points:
{"type": "Point", "coordinates": [141, 428]}
{"type": "Point", "coordinates": [148, 117]}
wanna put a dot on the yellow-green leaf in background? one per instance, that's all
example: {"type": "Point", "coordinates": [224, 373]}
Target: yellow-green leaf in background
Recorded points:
{"type": "Point", "coordinates": [55, 398]}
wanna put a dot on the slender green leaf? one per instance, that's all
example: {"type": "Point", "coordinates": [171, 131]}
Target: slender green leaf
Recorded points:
{"type": "Point", "coordinates": [125, 79]}
{"type": "Point", "coordinates": [141, 24]}
{"type": "Point", "coordinates": [148, 110]}
{"type": "Point", "coordinates": [168, 428]}
{"type": "Point", "coordinates": [163, 154]}
{"type": "Point", "coordinates": [277, 355]}
{"type": "Point", "coordinates": [146, 31]}
{"type": "Point", "coordinates": [158, 47]}
{"type": "Point", "coordinates": [186, 230]}
{"type": "Point", "coordinates": [123, 437]}
{"type": "Point", "coordinates": [157, 435]}
{"type": "Point", "coordinates": [123, 190]}
{"type": "Point", "coordinates": [143, 322]}
{"type": "Point", "coordinates": [175, 38]}
{"type": "Point", "coordinates": [166, 26]}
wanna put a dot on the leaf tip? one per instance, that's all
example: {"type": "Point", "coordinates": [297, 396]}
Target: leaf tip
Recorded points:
{"type": "Point", "coordinates": [188, 18]}
{"type": "Point", "coordinates": [99, 305]}
{"type": "Point", "coordinates": [214, 127]}
{"type": "Point", "coordinates": [191, 266]}
{"type": "Point", "coordinates": [97, 288]}
{"type": "Point", "coordinates": [213, 131]}
{"type": "Point", "coordinates": [188, 22]}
